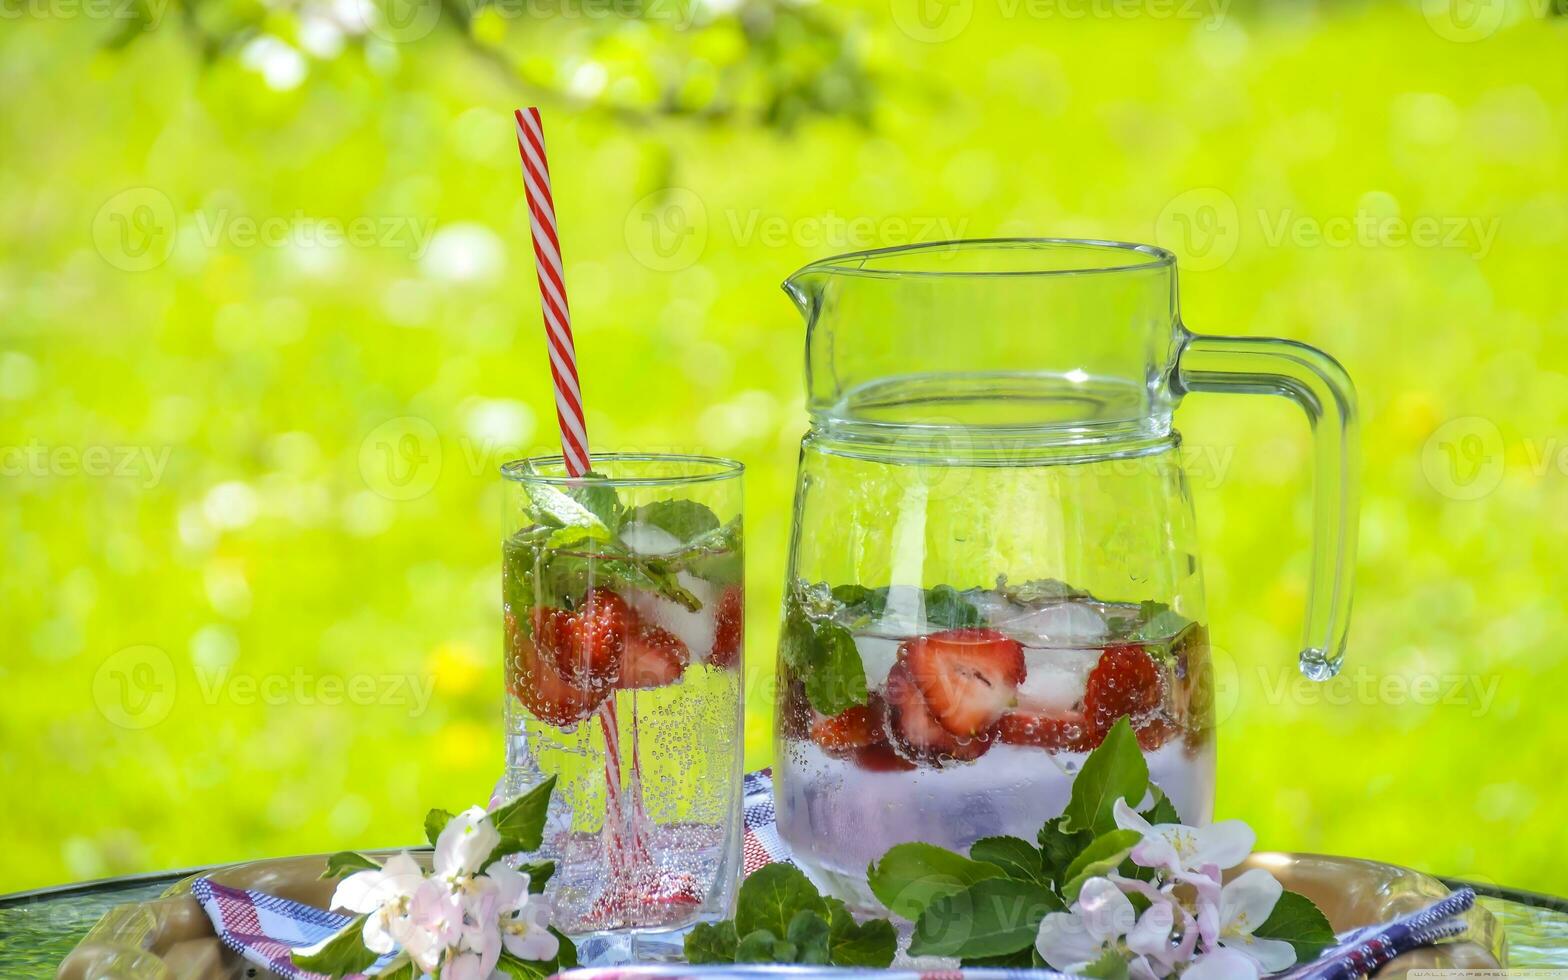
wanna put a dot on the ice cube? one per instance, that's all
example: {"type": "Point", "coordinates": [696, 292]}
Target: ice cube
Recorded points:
{"type": "Point", "coordinates": [877, 654]}
{"type": "Point", "coordinates": [695, 629]}
{"type": "Point", "coordinates": [646, 539]}
{"type": "Point", "coordinates": [995, 609]}
{"type": "Point", "coordinates": [1059, 624]}
{"type": "Point", "coordinates": [1054, 680]}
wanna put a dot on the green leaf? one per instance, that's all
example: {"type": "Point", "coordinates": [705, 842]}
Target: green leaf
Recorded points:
{"type": "Point", "coordinates": [436, 821]}
{"type": "Point", "coordinates": [1022, 959]}
{"type": "Point", "coordinates": [809, 932]}
{"type": "Point", "coordinates": [797, 642]}
{"type": "Point", "coordinates": [566, 955]}
{"type": "Point", "coordinates": [1103, 854]}
{"type": "Point", "coordinates": [1015, 856]}
{"type": "Point", "coordinates": [1158, 623]}
{"type": "Point", "coordinates": [760, 946]}
{"type": "Point", "coordinates": [1037, 591]}
{"type": "Point", "coordinates": [861, 602]}
{"type": "Point", "coordinates": [402, 971]}
{"type": "Point", "coordinates": [599, 498]}
{"type": "Point", "coordinates": [946, 608]}
{"type": "Point", "coordinates": [520, 822]}
{"type": "Point", "coordinates": [539, 874]}
{"type": "Point", "coordinates": [348, 862]}
{"type": "Point", "coordinates": [560, 510]}
{"type": "Point", "coordinates": [769, 899]}
{"type": "Point", "coordinates": [992, 917]}
{"type": "Point", "coordinates": [1297, 921]}
{"type": "Point", "coordinates": [1163, 810]}
{"type": "Point", "coordinates": [836, 680]}
{"type": "Point", "coordinates": [521, 969]}
{"type": "Point", "coordinates": [685, 520]}
{"type": "Point", "coordinates": [869, 944]}
{"type": "Point", "coordinates": [339, 954]}
{"type": "Point", "coordinates": [711, 942]}
{"type": "Point", "coordinates": [910, 877]}
{"type": "Point", "coordinates": [1058, 847]}
{"type": "Point", "coordinates": [1114, 771]}
{"type": "Point", "coordinates": [1111, 965]}
{"type": "Point", "coordinates": [721, 559]}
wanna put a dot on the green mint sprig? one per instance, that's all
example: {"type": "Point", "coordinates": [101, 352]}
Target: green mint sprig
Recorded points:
{"type": "Point", "coordinates": [986, 908]}
{"type": "Point", "coordinates": [781, 918]}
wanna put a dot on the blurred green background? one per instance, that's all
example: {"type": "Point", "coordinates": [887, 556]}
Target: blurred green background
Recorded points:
{"type": "Point", "coordinates": [270, 324]}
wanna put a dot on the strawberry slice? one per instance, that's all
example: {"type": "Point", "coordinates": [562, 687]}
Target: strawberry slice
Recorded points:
{"type": "Point", "coordinates": [536, 682]}
{"type": "Point", "coordinates": [1067, 731]}
{"type": "Point", "coordinates": [729, 627]}
{"type": "Point", "coordinates": [1126, 681]}
{"type": "Point", "coordinates": [968, 677]}
{"type": "Point", "coordinates": [880, 758]}
{"type": "Point", "coordinates": [653, 657]}
{"type": "Point", "coordinates": [1155, 732]}
{"type": "Point", "coordinates": [856, 728]}
{"type": "Point", "coordinates": [916, 731]}
{"type": "Point", "coordinates": [586, 645]}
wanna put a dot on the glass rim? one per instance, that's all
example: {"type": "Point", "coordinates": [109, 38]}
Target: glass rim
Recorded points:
{"type": "Point", "coordinates": [853, 263]}
{"type": "Point", "coordinates": [525, 470]}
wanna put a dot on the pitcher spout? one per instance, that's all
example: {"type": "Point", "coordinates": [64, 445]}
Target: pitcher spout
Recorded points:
{"type": "Point", "coordinates": [805, 287]}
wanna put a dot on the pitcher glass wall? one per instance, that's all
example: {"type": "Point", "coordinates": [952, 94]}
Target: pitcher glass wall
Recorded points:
{"type": "Point", "coordinates": [994, 555]}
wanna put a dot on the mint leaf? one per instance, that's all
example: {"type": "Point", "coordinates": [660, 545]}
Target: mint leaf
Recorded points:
{"type": "Point", "coordinates": [1110, 966]}
{"type": "Point", "coordinates": [721, 559]}
{"type": "Point", "coordinates": [1297, 921]}
{"type": "Point", "coordinates": [869, 944]}
{"type": "Point", "coordinates": [769, 899]}
{"type": "Point", "coordinates": [836, 679]}
{"type": "Point", "coordinates": [1114, 771]}
{"type": "Point", "coordinates": [1038, 591]}
{"type": "Point", "coordinates": [579, 509]}
{"type": "Point", "coordinates": [435, 822]}
{"type": "Point", "coordinates": [1158, 623]}
{"type": "Point", "coordinates": [711, 942]}
{"type": "Point", "coordinates": [520, 822]}
{"type": "Point", "coordinates": [761, 946]}
{"type": "Point", "coordinates": [910, 877]}
{"type": "Point", "coordinates": [992, 917]}
{"type": "Point", "coordinates": [1100, 858]}
{"type": "Point", "coordinates": [797, 641]}
{"type": "Point", "coordinates": [949, 610]}
{"type": "Point", "coordinates": [1016, 857]}
{"type": "Point", "coordinates": [339, 954]}
{"type": "Point", "coordinates": [808, 931]}
{"type": "Point", "coordinates": [348, 862]}
{"type": "Point", "coordinates": [860, 601]}
{"type": "Point", "coordinates": [684, 520]}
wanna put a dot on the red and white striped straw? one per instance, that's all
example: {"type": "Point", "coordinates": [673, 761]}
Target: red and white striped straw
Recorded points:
{"type": "Point", "coordinates": [552, 292]}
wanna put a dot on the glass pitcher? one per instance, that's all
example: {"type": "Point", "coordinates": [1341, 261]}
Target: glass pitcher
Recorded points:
{"type": "Point", "coordinates": [994, 554]}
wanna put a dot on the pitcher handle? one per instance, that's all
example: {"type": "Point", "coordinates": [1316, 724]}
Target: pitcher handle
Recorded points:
{"type": "Point", "coordinates": [1316, 382]}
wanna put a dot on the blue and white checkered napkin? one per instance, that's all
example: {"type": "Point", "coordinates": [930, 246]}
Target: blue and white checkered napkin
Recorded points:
{"type": "Point", "coordinates": [264, 929]}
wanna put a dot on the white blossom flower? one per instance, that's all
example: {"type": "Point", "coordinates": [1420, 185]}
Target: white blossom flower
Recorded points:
{"type": "Point", "coordinates": [524, 918]}
{"type": "Point", "coordinates": [386, 895]}
{"type": "Point", "coordinates": [1102, 915]}
{"type": "Point", "coordinates": [1222, 964]}
{"type": "Point", "coordinates": [1245, 903]}
{"type": "Point", "coordinates": [1179, 848]}
{"type": "Point", "coordinates": [464, 844]}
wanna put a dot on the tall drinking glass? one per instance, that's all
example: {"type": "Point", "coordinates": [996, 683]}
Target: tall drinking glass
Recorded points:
{"type": "Point", "coordinates": [623, 612]}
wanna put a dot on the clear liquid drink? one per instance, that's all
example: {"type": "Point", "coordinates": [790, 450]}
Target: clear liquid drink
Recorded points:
{"type": "Point", "coordinates": [623, 601]}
